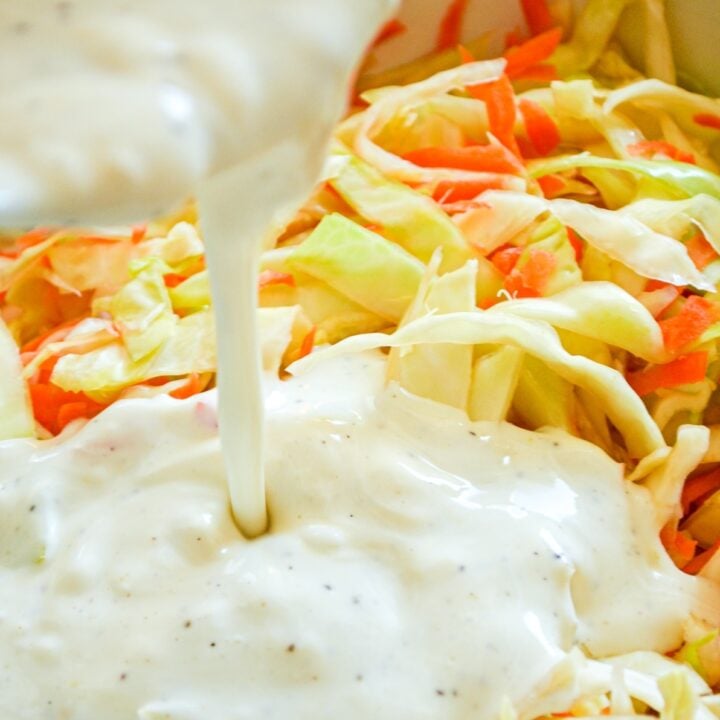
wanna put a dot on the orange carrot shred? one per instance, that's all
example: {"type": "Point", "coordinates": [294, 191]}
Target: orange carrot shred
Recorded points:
{"type": "Point", "coordinates": [192, 386]}
{"type": "Point", "coordinates": [531, 279]}
{"type": "Point", "coordinates": [701, 252]}
{"type": "Point", "coordinates": [465, 55]}
{"type": "Point", "coordinates": [707, 120]}
{"type": "Point", "coordinates": [273, 277]}
{"type": "Point", "coordinates": [450, 191]}
{"type": "Point", "coordinates": [172, 280]}
{"type": "Point", "coordinates": [542, 72]}
{"type": "Point", "coordinates": [576, 242]}
{"type": "Point", "coordinates": [505, 258]}
{"type": "Point", "coordinates": [480, 158]}
{"type": "Point", "coordinates": [499, 98]}
{"type": "Point", "coordinates": [679, 546]}
{"type": "Point", "coordinates": [701, 560]}
{"type": "Point", "coordinates": [392, 28]}
{"type": "Point", "coordinates": [699, 487]}
{"type": "Point", "coordinates": [684, 370]}
{"type": "Point", "coordinates": [71, 411]}
{"type": "Point", "coordinates": [138, 232]}
{"type": "Point", "coordinates": [450, 30]}
{"type": "Point", "coordinates": [532, 52]}
{"type": "Point", "coordinates": [695, 317]}
{"type": "Point", "coordinates": [649, 148]}
{"type": "Point", "coordinates": [513, 38]}
{"type": "Point", "coordinates": [537, 15]}
{"type": "Point", "coordinates": [551, 185]}
{"type": "Point", "coordinates": [540, 127]}
{"type": "Point", "coordinates": [308, 343]}
{"type": "Point", "coordinates": [33, 237]}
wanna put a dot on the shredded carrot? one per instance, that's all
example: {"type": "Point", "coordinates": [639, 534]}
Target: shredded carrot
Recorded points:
{"type": "Point", "coordinates": [701, 252]}
{"type": "Point", "coordinates": [50, 403]}
{"type": "Point", "coordinates": [505, 258]}
{"type": "Point", "coordinates": [650, 148]}
{"type": "Point", "coordinates": [34, 237]}
{"type": "Point", "coordinates": [531, 279]}
{"type": "Point", "coordinates": [577, 243]}
{"type": "Point", "coordinates": [701, 560]}
{"type": "Point", "coordinates": [450, 191]}
{"type": "Point", "coordinates": [480, 158]}
{"type": "Point", "coordinates": [684, 370]}
{"type": "Point", "coordinates": [173, 279]}
{"type": "Point", "coordinates": [679, 546]}
{"type": "Point", "coordinates": [533, 52]}
{"type": "Point", "coordinates": [699, 487]}
{"type": "Point", "coordinates": [537, 15]}
{"type": "Point", "coordinates": [695, 317]}
{"type": "Point", "coordinates": [541, 73]}
{"type": "Point", "coordinates": [392, 28]}
{"type": "Point", "coordinates": [707, 120]}
{"type": "Point", "coordinates": [551, 185]}
{"type": "Point", "coordinates": [465, 55]}
{"type": "Point", "coordinates": [192, 386]}
{"type": "Point", "coordinates": [450, 30]}
{"type": "Point", "coordinates": [273, 277]}
{"type": "Point", "coordinates": [138, 232]}
{"type": "Point", "coordinates": [513, 38]}
{"type": "Point", "coordinates": [540, 127]}
{"type": "Point", "coordinates": [499, 98]}
{"type": "Point", "coordinates": [307, 343]}
{"type": "Point", "coordinates": [71, 411]}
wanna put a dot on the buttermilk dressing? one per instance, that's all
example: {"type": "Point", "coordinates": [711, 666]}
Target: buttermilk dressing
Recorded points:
{"type": "Point", "coordinates": [418, 565]}
{"type": "Point", "coordinates": [115, 111]}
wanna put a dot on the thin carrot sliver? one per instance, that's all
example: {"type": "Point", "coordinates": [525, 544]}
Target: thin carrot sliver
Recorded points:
{"type": "Point", "coordinates": [499, 98]}
{"type": "Point", "coordinates": [695, 317]}
{"type": "Point", "coordinates": [531, 279]}
{"type": "Point", "coordinates": [698, 487]}
{"type": "Point", "coordinates": [707, 120]}
{"type": "Point", "coordinates": [450, 191]}
{"type": "Point", "coordinates": [308, 343]}
{"type": "Point", "coordinates": [537, 15]}
{"type": "Point", "coordinates": [273, 277]}
{"type": "Point", "coordinates": [71, 411]}
{"type": "Point", "coordinates": [33, 237]}
{"type": "Point", "coordinates": [551, 185]}
{"type": "Point", "coordinates": [506, 258]}
{"type": "Point", "coordinates": [701, 252]}
{"type": "Point", "coordinates": [649, 148]}
{"type": "Point", "coordinates": [392, 28]}
{"type": "Point", "coordinates": [680, 547]}
{"type": "Point", "coordinates": [576, 242]}
{"type": "Point", "coordinates": [532, 52]}
{"type": "Point", "coordinates": [192, 386]}
{"type": "Point", "coordinates": [701, 560]}
{"type": "Point", "coordinates": [685, 370]}
{"type": "Point", "coordinates": [450, 30]}
{"type": "Point", "coordinates": [542, 72]}
{"type": "Point", "coordinates": [480, 158]}
{"type": "Point", "coordinates": [542, 131]}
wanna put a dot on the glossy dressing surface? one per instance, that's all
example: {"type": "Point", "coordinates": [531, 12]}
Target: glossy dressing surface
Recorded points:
{"type": "Point", "coordinates": [418, 566]}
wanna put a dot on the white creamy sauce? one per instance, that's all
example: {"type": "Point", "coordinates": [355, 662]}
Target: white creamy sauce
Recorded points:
{"type": "Point", "coordinates": [418, 566]}
{"type": "Point", "coordinates": [115, 111]}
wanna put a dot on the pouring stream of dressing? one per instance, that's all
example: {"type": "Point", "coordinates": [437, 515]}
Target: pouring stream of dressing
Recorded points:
{"type": "Point", "coordinates": [115, 112]}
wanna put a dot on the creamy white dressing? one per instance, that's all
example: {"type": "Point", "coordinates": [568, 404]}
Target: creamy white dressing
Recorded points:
{"type": "Point", "coordinates": [418, 566]}
{"type": "Point", "coordinates": [116, 111]}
